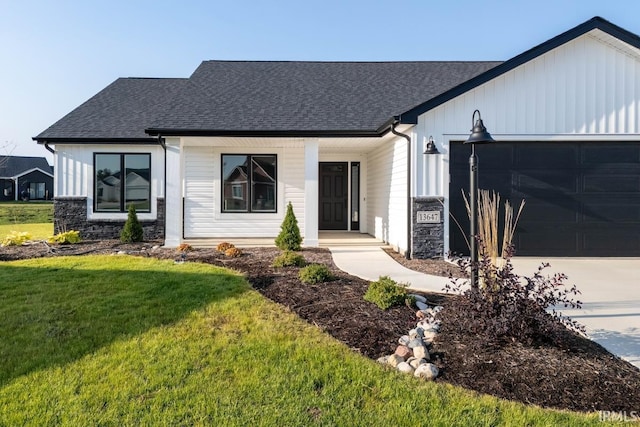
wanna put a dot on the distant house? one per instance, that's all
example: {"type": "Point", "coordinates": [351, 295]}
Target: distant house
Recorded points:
{"type": "Point", "coordinates": [25, 178]}
{"type": "Point", "coordinates": [220, 154]}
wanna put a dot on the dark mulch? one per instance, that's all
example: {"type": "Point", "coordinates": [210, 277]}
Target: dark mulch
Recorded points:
{"type": "Point", "coordinates": [578, 375]}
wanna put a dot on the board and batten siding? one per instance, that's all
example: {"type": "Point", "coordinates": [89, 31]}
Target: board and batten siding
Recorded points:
{"type": "Point", "coordinates": [74, 175]}
{"type": "Point", "coordinates": [387, 193]}
{"type": "Point", "coordinates": [203, 217]}
{"type": "Point", "coordinates": [586, 88]}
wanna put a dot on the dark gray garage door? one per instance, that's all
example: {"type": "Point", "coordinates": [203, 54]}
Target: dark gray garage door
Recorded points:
{"type": "Point", "coordinates": [582, 199]}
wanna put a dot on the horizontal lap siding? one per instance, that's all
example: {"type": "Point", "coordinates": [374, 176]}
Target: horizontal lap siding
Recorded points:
{"type": "Point", "coordinates": [202, 194]}
{"type": "Point", "coordinates": [387, 193]}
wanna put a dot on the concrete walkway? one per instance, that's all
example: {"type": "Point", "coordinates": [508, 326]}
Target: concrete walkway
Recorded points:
{"type": "Point", "coordinates": [610, 290]}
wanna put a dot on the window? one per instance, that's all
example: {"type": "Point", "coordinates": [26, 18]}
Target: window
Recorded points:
{"type": "Point", "coordinates": [249, 182]}
{"type": "Point", "coordinates": [36, 190]}
{"type": "Point", "coordinates": [115, 190]}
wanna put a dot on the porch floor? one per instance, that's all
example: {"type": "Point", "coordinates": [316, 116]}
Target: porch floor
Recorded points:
{"type": "Point", "coordinates": [326, 239]}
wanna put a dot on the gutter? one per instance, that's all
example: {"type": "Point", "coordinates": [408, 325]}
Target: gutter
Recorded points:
{"type": "Point", "coordinates": [395, 122]}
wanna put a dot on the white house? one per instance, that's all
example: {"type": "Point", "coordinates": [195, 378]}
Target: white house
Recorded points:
{"type": "Point", "coordinates": [226, 149]}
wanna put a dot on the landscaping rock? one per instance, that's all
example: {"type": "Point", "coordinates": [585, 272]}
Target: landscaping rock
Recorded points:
{"type": "Point", "coordinates": [427, 371]}
{"type": "Point", "coordinates": [413, 334]}
{"type": "Point", "coordinates": [405, 367]}
{"type": "Point", "coordinates": [404, 352]}
{"type": "Point", "coordinates": [429, 336]}
{"type": "Point", "coordinates": [418, 298]}
{"type": "Point", "coordinates": [421, 352]}
{"type": "Point", "coordinates": [394, 360]}
{"type": "Point", "coordinates": [417, 362]}
{"type": "Point", "coordinates": [421, 305]}
{"type": "Point", "coordinates": [416, 342]}
{"type": "Point", "coordinates": [383, 360]}
{"type": "Point", "coordinates": [404, 340]}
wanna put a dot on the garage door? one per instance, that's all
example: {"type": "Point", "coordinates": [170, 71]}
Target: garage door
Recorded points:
{"type": "Point", "coordinates": [582, 199]}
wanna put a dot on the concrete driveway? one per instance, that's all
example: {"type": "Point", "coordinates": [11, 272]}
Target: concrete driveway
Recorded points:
{"type": "Point", "coordinates": [610, 290]}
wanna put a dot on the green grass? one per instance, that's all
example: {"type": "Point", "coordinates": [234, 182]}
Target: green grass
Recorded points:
{"type": "Point", "coordinates": [119, 340]}
{"type": "Point", "coordinates": [37, 231]}
{"type": "Point", "coordinates": [25, 212]}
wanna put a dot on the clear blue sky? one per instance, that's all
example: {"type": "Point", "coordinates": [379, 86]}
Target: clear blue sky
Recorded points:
{"type": "Point", "coordinates": [55, 54]}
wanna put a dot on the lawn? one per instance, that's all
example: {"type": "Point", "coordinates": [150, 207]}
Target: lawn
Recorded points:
{"type": "Point", "coordinates": [123, 340]}
{"type": "Point", "coordinates": [12, 213]}
{"type": "Point", "coordinates": [38, 231]}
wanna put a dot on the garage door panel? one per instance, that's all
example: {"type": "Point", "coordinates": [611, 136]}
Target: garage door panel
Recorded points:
{"type": "Point", "coordinates": [565, 156]}
{"type": "Point", "coordinates": [598, 183]}
{"type": "Point", "coordinates": [556, 182]}
{"type": "Point", "coordinates": [582, 198]}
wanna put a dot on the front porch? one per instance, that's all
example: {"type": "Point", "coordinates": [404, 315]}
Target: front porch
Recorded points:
{"type": "Point", "coordinates": [326, 239]}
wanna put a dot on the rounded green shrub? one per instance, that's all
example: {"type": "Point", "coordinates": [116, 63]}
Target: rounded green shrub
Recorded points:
{"type": "Point", "coordinates": [315, 273]}
{"type": "Point", "coordinates": [289, 259]}
{"type": "Point", "coordinates": [385, 293]}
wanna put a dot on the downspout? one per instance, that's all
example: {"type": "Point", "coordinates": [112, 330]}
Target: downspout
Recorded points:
{"type": "Point", "coordinates": [396, 120]}
{"type": "Point", "coordinates": [164, 180]}
{"type": "Point", "coordinates": [49, 149]}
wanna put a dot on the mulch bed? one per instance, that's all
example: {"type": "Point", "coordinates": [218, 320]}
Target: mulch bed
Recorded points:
{"type": "Point", "coordinates": [579, 375]}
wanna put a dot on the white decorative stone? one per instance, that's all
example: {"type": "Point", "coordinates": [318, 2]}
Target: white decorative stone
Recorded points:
{"type": "Point", "coordinates": [416, 362]}
{"type": "Point", "coordinates": [416, 342]}
{"type": "Point", "coordinates": [383, 360]}
{"type": "Point", "coordinates": [394, 360]}
{"type": "Point", "coordinates": [418, 297]}
{"type": "Point", "coordinates": [413, 334]}
{"type": "Point", "coordinates": [429, 335]}
{"type": "Point", "coordinates": [405, 367]}
{"type": "Point", "coordinates": [121, 253]}
{"type": "Point", "coordinates": [421, 352]}
{"type": "Point", "coordinates": [155, 247]}
{"type": "Point", "coordinates": [404, 340]}
{"type": "Point", "coordinates": [427, 371]}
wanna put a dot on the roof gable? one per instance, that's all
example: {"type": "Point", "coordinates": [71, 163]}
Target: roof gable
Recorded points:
{"type": "Point", "coordinates": [597, 23]}
{"type": "Point", "coordinates": [13, 166]}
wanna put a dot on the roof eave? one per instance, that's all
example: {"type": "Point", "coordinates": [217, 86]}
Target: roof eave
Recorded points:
{"type": "Point", "coordinates": [58, 140]}
{"type": "Point", "coordinates": [292, 133]}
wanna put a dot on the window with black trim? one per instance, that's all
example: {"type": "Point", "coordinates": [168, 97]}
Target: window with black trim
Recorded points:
{"type": "Point", "coordinates": [122, 180]}
{"type": "Point", "coordinates": [249, 182]}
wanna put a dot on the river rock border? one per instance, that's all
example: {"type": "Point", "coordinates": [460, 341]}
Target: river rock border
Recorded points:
{"type": "Point", "coordinates": [412, 354]}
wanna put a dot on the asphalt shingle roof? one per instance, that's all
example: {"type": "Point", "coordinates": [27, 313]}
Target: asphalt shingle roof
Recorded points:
{"type": "Point", "coordinates": [263, 96]}
{"type": "Point", "coordinates": [11, 166]}
{"type": "Point", "coordinates": [121, 110]}
{"type": "Point", "coordinates": [308, 96]}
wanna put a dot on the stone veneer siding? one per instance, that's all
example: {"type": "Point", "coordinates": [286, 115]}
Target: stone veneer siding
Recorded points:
{"type": "Point", "coordinates": [427, 240]}
{"type": "Point", "coordinates": [70, 213]}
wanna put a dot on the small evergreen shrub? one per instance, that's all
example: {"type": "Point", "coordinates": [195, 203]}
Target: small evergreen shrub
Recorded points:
{"type": "Point", "coordinates": [132, 230]}
{"type": "Point", "coordinates": [385, 293]}
{"type": "Point", "coordinates": [222, 247]}
{"type": "Point", "coordinates": [66, 237]}
{"type": "Point", "coordinates": [315, 273]}
{"type": "Point", "coordinates": [233, 252]}
{"type": "Point", "coordinates": [16, 238]}
{"type": "Point", "coordinates": [289, 238]}
{"type": "Point", "coordinates": [289, 259]}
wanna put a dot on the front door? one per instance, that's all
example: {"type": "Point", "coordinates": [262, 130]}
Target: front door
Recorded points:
{"type": "Point", "coordinates": [334, 204]}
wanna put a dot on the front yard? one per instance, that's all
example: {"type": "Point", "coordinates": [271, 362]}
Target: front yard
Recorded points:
{"type": "Point", "coordinates": [128, 340]}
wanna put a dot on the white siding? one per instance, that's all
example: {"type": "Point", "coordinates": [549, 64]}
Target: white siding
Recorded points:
{"type": "Point", "coordinates": [203, 188]}
{"type": "Point", "coordinates": [583, 88]}
{"type": "Point", "coordinates": [74, 177]}
{"type": "Point", "coordinates": [387, 193]}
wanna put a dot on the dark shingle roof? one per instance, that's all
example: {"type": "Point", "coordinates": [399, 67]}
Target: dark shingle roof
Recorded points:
{"type": "Point", "coordinates": [121, 110]}
{"type": "Point", "coordinates": [11, 166]}
{"type": "Point", "coordinates": [307, 96]}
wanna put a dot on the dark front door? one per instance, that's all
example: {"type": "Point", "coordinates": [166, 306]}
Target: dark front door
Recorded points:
{"type": "Point", "coordinates": [333, 196]}
{"type": "Point", "coordinates": [582, 198]}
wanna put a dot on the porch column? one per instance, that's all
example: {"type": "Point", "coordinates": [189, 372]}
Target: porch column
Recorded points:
{"type": "Point", "coordinates": [173, 196]}
{"type": "Point", "coordinates": [311, 193]}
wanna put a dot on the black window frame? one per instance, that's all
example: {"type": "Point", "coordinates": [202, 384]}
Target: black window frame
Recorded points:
{"type": "Point", "coordinates": [123, 202]}
{"type": "Point", "coordinates": [249, 190]}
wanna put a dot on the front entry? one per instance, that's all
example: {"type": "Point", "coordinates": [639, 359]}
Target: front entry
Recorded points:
{"type": "Point", "coordinates": [334, 202]}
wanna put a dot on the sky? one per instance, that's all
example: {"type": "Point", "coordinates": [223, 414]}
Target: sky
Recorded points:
{"type": "Point", "coordinates": [56, 54]}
